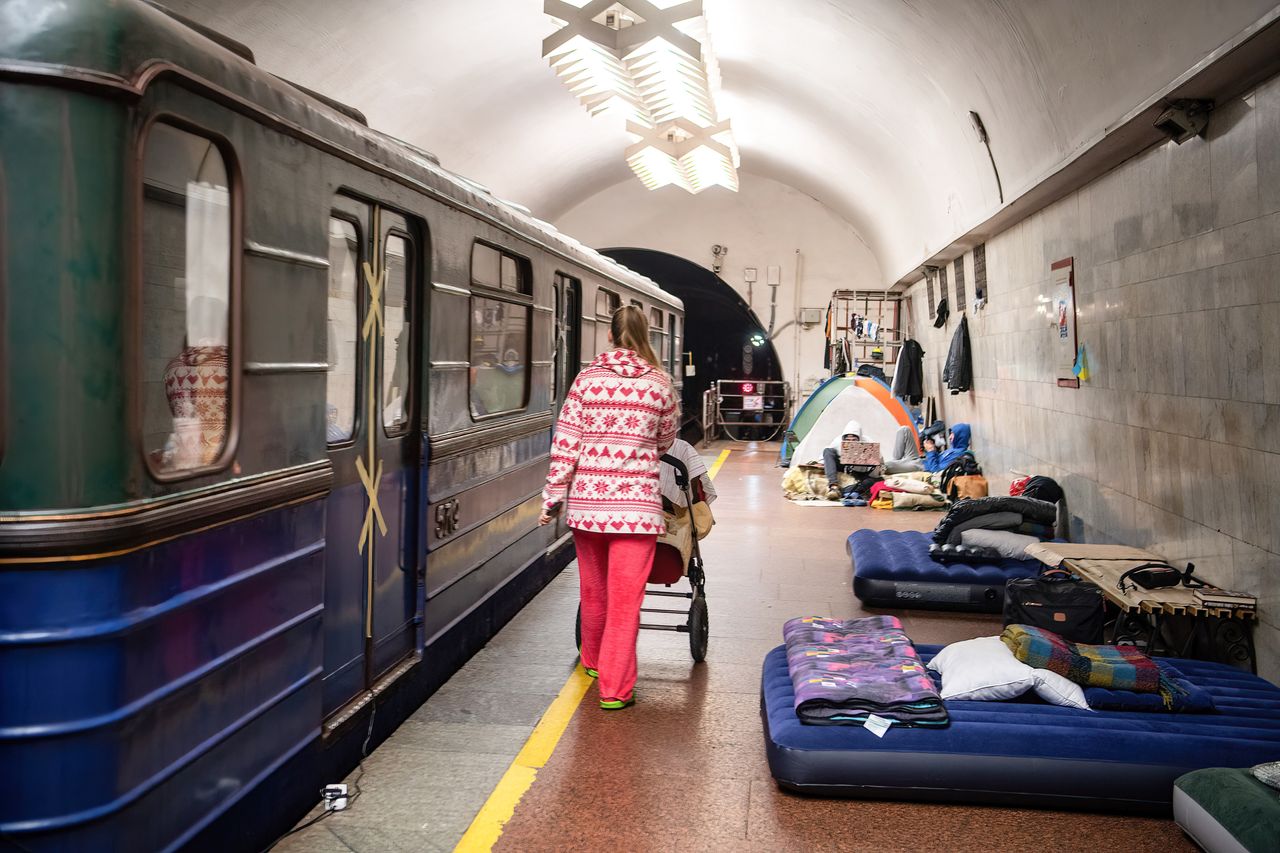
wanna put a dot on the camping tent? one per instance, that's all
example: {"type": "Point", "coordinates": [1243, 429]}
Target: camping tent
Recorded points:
{"type": "Point", "coordinates": [836, 402]}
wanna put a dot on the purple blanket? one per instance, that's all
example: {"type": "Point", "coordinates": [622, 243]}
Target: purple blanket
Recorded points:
{"type": "Point", "coordinates": [843, 671]}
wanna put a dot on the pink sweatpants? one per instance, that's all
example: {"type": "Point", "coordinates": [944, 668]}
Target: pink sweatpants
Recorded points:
{"type": "Point", "coordinates": [612, 569]}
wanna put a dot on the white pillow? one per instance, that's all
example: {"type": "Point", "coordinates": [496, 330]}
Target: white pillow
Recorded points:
{"type": "Point", "coordinates": [1057, 690]}
{"type": "Point", "coordinates": [982, 670]}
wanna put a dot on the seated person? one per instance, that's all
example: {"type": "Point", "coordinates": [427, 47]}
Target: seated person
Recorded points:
{"type": "Point", "coordinates": [831, 458]}
{"type": "Point", "coordinates": [936, 460]}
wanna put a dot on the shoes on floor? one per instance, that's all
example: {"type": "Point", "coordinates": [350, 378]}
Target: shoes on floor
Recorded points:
{"type": "Point", "coordinates": [617, 704]}
{"type": "Point", "coordinates": [833, 493]}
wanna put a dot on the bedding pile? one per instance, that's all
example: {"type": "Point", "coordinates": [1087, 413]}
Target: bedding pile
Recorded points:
{"type": "Point", "coordinates": [910, 491]}
{"type": "Point", "coordinates": [844, 671]}
{"type": "Point", "coordinates": [992, 528]}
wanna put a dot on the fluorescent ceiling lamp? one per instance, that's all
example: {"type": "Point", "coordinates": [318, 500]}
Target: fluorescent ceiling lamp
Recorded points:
{"type": "Point", "coordinates": [650, 62]}
{"type": "Point", "coordinates": [684, 154]}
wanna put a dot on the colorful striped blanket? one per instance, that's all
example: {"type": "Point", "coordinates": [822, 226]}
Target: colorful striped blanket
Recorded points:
{"type": "Point", "coordinates": [1113, 667]}
{"type": "Point", "coordinates": [844, 671]}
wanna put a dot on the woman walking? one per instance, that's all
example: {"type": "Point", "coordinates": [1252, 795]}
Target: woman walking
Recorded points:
{"type": "Point", "coordinates": [619, 417]}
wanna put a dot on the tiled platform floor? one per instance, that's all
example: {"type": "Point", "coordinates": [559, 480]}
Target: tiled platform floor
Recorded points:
{"type": "Point", "coordinates": [685, 768]}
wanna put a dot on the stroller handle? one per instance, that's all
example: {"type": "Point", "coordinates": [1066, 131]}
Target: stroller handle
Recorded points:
{"type": "Point", "coordinates": [682, 473]}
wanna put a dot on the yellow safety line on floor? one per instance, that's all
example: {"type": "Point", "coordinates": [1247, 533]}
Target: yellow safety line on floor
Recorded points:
{"type": "Point", "coordinates": [715, 466]}
{"type": "Point", "coordinates": [501, 805]}
{"type": "Point", "coordinates": [489, 822]}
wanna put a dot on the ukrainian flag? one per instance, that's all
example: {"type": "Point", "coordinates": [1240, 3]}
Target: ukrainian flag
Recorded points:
{"type": "Point", "coordinates": [1081, 367]}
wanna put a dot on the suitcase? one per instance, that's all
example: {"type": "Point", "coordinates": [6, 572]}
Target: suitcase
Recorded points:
{"type": "Point", "coordinates": [1055, 601]}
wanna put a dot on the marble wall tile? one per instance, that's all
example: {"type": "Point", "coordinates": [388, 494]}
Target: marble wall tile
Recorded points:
{"type": "Point", "coordinates": [1190, 190]}
{"type": "Point", "coordinates": [1243, 353]}
{"type": "Point", "coordinates": [1267, 116]}
{"type": "Point", "coordinates": [1269, 320]}
{"type": "Point", "coordinates": [1232, 136]}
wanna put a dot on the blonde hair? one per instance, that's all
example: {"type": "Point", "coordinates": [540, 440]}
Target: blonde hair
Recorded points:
{"type": "Point", "coordinates": [630, 331]}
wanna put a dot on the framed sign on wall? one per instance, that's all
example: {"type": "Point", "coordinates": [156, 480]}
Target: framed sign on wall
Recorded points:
{"type": "Point", "coordinates": [1062, 317]}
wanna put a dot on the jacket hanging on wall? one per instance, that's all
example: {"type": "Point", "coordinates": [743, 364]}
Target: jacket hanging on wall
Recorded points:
{"type": "Point", "coordinates": [957, 374]}
{"type": "Point", "coordinates": [943, 313]}
{"type": "Point", "coordinates": [908, 376]}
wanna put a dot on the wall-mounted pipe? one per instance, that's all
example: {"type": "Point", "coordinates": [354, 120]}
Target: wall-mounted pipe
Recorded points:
{"type": "Point", "coordinates": [981, 129]}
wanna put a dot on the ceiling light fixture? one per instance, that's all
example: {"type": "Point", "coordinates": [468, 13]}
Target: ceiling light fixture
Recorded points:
{"type": "Point", "coordinates": [654, 67]}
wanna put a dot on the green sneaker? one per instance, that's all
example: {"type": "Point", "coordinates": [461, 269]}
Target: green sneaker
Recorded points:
{"type": "Point", "coordinates": [617, 704]}
{"type": "Point", "coordinates": [591, 673]}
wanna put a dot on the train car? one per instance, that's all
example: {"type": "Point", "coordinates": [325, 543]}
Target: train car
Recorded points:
{"type": "Point", "coordinates": [276, 394]}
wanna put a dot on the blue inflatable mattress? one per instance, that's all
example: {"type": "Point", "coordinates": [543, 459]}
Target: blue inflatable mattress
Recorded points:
{"type": "Point", "coordinates": [1025, 752]}
{"type": "Point", "coordinates": [892, 568]}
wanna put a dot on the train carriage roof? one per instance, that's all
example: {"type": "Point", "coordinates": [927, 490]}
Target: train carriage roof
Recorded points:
{"type": "Point", "coordinates": [122, 45]}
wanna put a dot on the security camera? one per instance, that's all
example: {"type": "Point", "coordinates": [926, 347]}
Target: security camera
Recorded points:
{"type": "Point", "coordinates": [1184, 119]}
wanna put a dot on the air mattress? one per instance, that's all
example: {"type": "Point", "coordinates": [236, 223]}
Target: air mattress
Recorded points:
{"type": "Point", "coordinates": [892, 568]}
{"type": "Point", "coordinates": [1025, 752]}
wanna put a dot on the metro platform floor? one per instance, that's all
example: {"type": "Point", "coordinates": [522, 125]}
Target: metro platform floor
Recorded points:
{"type": "Point", "coordinates": [684, 769]}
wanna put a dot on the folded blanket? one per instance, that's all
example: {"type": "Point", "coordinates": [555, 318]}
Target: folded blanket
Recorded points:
{"type": "Point", "coordinates": [986, 521]}
{"type": "Point", "coordinates": [844, 671]}
{"type": "Point", "coordinates": [911, 501]}
{"type": "Point", "coordinates": [1177, 695]}
{"type": "Point", "coordinates": [1114, 667]}
{"type": "Point", "coordinates": [903, 483]}
{"type": "Point", "coordinates": [1042, 532]}
{"type": "Point", "coordinates": [1042, 512]}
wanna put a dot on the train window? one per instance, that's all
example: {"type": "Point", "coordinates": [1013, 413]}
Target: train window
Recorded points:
{"type": "Point", "coordinates": [674, 359]}
{"type": "Point", "coordinates": [499, 270]}
{"type": "Point", "coordinates": [486, 263]}
{"type": "Point", "coordinates": [499, 356]}
{"type": "Point", "coordinates": [397, 259]}
{"type": "Point", "coordinates": [568, 318]}
{"type": "Point", "coordinates": [606, 303]}
{"type": "Point", "coordinates": [186, 300]}
{"type": "Point", "coordinates": [656, 335]}
{"type": "Point", "coordinates": [343, 332]}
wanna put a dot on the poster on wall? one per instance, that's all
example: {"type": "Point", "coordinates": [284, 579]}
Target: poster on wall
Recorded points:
{"type": "Point", "coordinates": [1062, 316]}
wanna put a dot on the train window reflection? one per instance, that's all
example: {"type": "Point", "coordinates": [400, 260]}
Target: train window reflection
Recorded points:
{"type": "Point", "coordinates": [398, 340]}
{"type": "Point", "coordinates": [499, 356]}
{"type": "Point", "coordinates": [186, 298]}
{"type": "Point", "coordinates": [343, 331]}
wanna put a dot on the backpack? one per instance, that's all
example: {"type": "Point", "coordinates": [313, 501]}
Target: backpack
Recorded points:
{"type": "Point", "coordinates": [965, 466]}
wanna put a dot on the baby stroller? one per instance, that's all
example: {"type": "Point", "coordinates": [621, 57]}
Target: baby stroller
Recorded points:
{"type": "Point", "coordinates": [668, 567]}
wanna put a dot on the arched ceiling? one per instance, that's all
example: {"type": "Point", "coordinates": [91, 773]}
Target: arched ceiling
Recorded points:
{"type": "Point", "coordinates": [862, 104]}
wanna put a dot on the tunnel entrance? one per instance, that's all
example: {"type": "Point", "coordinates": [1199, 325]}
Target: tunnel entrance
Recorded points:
{"type": "Point", "coordinates": [719, 327]}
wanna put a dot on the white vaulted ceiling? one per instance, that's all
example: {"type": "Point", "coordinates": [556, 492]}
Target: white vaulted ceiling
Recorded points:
{"type": "Point", "coordinates": [862, 104]}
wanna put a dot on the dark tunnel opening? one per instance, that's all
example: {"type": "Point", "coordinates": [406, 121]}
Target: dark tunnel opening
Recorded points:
{"type": "Point", "coordinates": [718, 330]}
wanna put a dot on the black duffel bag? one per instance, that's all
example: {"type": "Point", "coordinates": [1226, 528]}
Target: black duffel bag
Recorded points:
{"type": "Point", "coordinates": [1057, 602]}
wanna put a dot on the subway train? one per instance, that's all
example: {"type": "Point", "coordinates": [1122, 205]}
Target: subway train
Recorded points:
{"type": "Point", "coordinates": [276, 397]}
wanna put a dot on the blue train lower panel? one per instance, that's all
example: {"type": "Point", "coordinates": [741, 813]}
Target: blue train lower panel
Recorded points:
{"type": "Point", "coordinates": [188, 670]}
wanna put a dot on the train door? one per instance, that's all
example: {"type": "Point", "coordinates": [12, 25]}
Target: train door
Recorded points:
{"type": "Point", "coordinates": [568, 354]}
{"type": "Point", "coordinates": [372, 331]}
{"type": "Point", "coordinates": [393, 466]}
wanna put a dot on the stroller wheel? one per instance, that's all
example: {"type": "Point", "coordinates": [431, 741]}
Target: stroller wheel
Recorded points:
{"type": "Point", "coordinates": [577, 630]}
{"type": "Point", "coordinates": [699, 629]}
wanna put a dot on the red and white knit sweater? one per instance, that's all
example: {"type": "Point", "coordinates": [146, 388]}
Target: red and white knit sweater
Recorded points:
{"type": "Point", "coordinates": [619, 417]}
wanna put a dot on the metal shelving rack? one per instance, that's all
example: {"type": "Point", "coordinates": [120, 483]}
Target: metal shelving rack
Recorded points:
{"type": "Point", "coordinates": [882, 307]}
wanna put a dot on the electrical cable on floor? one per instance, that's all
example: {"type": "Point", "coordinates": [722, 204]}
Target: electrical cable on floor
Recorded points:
{"type": "Point", "coordinates": [355, 782]}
